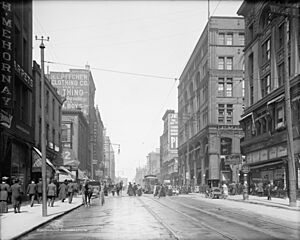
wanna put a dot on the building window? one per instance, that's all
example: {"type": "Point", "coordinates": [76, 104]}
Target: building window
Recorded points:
{"type": "Point", "coordinates": [251, 32]}
{"type": "Point", "coordinates": [221, 63]}
{"type": "Point", "coordinates": [229, 63]}
{"type": "Point", "coordinates": [242, 39]}
{"type": "Point", "coordinates": [280, 36]}
{"type": "Point", "coordinates": [221, 38]}
{"type": "Point", "coordinates": [229, 39]}
{"type": "Point", "coordinates": [47, 101]}
{"type": "Point", "coordinates": [280, 74]}
{"type": "Point", "coordinates": [264, 125]}
{"type": "Point", "coordinates": [229, 87]}
{"type": "Point", "coordinates": [53, 139]}
{"type": "Point", "coordinates": [221, 84]}
{"type": "Point", "coordinates": [279, 117]}
{"type": "Point", "coordinates": [221, 113]}
{"type": "Point", "coordinates": [266, 47]}
{"type": "Point", "coordinates": [265, 86]}
{"type": "Point", "coordinates": [47, 134]}
{"type": "Point", "coordinates": [229, 115]}
{"type": "Point", "coordinates": [53, 109]}
{"type": "Point", "coordinates": [66, 135]}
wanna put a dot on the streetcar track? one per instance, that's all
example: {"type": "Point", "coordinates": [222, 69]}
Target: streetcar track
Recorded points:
{"type": "Point", "coordinates": [165, 225]}
{"type": "Point", "coordinates": [200, 223]}
{"type": "Point", "coordinates": [244, 215]}
{"type": "Point", "coordinates": [248, 226]}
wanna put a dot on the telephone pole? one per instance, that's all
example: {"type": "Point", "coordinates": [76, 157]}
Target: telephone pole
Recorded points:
{"type": "Point", "coordinates": [43, 136]}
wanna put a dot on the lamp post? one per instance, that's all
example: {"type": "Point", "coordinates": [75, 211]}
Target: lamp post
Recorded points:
{"type": "Point", "coordinates": [43, 139]}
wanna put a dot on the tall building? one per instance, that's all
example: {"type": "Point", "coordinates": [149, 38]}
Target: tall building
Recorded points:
{"type": "Point", "coordinates": [109, 161]}
{"type": "Point", "coordinates": [53, 105]}
{"type": "Point", "coordinates": [16, 89]}
{"type": "Point", "coordinates": [264, 120]}
{"type": "Point", "coordinates": [98, 150]}
{"type": "Point", "coordinates": [75, 142]}
{"type": "Point", "coordinates": [210, 102]}
{"type": "Point", "coordinates": [153, 163]}
{"type": "Point", "coordinates": [78, 88]}
{"type": "Point", "coordinates": [168, 148]}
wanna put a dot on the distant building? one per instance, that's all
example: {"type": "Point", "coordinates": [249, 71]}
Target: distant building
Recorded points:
{"type": "Point", "coordinates": [264, 119]}
{"type": "Point", "coordinates": [75, 142]}
{"type": "Point", "coordinates": [210, 103]}
{"type": "Point", "coordinates": [109, 161]}
{"type": "Point", "coordinates": [140, 173]}
{"type": "Point", "coordinates": [169, 148]}
{"type": "Point", "coordinates": [153, 163]}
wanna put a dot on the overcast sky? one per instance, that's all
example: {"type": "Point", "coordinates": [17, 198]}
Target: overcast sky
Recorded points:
{"type": "Point", "coordinates": [143, 37]}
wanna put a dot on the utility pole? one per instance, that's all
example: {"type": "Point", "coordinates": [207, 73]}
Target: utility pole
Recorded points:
{"type": "Point", "coordinates": [290, 141]}
{"type": "Point", "coordinates": [43, 136]}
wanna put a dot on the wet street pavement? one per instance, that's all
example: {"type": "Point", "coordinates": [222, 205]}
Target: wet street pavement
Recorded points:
{"type": "Point", "coordinates": [182, 217]}
{"type": "Point", "coordinates": [119, 218]}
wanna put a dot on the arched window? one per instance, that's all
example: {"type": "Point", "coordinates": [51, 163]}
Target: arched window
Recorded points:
{"type": "Point", "coordinates": [226, 146]}
{"type": "Point", "coordinates": [265, 18]}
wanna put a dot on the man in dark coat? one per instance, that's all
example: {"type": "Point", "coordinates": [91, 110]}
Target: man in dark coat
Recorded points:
{"type": "Point", "coordinates": [31, 191]}
{"type": "Point", "coordinates": [16, 195]}
{"type": "Point", "coordinates": [63, 191]}
{"type": "Point", "coordinates": [4, 190]}
{"type": "Point", "coordinates": [39, 189]}
{"type": "Point", "coordinates": [70, 188]}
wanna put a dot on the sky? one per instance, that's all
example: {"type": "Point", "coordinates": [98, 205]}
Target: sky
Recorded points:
{"type": "Point", "coordinates": [151, 40]}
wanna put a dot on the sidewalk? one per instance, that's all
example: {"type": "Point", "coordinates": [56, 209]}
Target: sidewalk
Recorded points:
{"type": "Point", "coordinates": [275, 202]}
{"type": "Point", "coordinates": [13, 225]}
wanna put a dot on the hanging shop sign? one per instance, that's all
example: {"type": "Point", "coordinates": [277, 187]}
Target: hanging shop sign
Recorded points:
{"type": "Point", "coordinates": [7, 69]}
{"type": "Point", "coordinates": [245, 168]}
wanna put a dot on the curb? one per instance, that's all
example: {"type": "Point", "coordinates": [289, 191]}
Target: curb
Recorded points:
{"type": "Point", "coordinates": [43, 223]}
{"type": "Point", "coordinates": [260, 203]}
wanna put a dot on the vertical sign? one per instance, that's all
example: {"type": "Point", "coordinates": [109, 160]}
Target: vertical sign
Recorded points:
{"type": "Point", "coordinates": [173, 131]}
{"type": "Point", "coordinates": [6, 83]}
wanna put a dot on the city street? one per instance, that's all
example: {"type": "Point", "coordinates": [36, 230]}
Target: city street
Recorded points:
{"type": "Point", "coordinates": [178, 217]}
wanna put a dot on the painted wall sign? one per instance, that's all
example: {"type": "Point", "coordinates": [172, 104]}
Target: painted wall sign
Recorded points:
{"type": "Point", "coordinates": [74, 86]}
{"type": "Point", "coordinates": [7, 62]}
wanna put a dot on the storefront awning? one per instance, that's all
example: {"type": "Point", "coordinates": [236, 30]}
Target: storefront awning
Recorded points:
{"type": "Point", "coordinates": [62, 168]}
{"type": "Point", "coordinates": [266, 164]}
{"type": "Point", "coordinates": [37, 157]}
{"type": "Point", "coordinates": [277, 99]}
{"type": "Point", "coordinates": [248, 115]}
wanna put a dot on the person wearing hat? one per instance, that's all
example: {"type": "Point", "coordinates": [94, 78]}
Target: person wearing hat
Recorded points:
{"type": "Point", "coordinates": [4, 190]}
{"type": "Point", "coordinates": [39, 188]}
{"type": "Point", "coordinates": [16, 195]}
{"type": "Point", "coordinates": [31, 191]}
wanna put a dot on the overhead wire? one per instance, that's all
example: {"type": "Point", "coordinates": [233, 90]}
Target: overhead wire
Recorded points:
{"type": "Point", "coordinates": [115, 71]}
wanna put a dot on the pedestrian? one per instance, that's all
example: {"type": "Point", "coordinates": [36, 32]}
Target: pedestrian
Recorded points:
{"type": "Point", "coordinates": [134, 189]}
{"type": "Point", "coordinates": [139, 190]}
{"type": "Point", "coordinates": [102, 199]}
{"type": "Point", "coordinates": [86, 193]}
{"type": "Point", "coordinates": [39, 189]}
{"type": "Point", "coordinates": [269, 189]}
{"type": "Point", "coordinates": [118, 188]}
{"type": "Point", "coordinates": [225, 190]}
{"type": "Point", "coordinates": [70, 189]}
{"type": "Point", "coordinates": [162, 191]}
{"type": "Point", "coordinates": [260, 189]}
{"type": "Point", "coordinates": [62, 191]}
{"type": "Point", "coordinates": [130, 190]}
{"type": "Point", "coordinates": [51, 193]}
{"type": "Point", "coordinates": [31, 192]}
{"type": "Point", "coordinates": [16, 195]}
{"type": "Point", "coordinates": [113, 189]}
{"type": "Point", "coordinates": [4, 190]}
